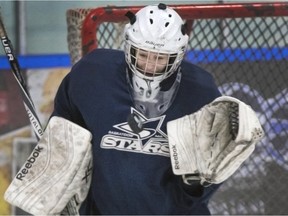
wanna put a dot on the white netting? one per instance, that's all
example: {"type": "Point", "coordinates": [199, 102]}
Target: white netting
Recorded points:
{"type": "Point", "coordinates": [110, 33]}
{"type": "Point", "coordinates": [74, 19]}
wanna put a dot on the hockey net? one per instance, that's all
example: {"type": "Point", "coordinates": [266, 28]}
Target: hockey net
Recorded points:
{"type": "Point", "coordinates": [245, 47]}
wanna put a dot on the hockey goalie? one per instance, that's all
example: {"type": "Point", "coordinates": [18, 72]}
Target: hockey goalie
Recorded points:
{"type": "Point", "coordinates": [162, 137]}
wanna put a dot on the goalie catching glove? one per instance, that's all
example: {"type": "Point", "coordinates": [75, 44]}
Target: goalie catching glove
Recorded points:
{"type": "Point", "coordinates": [211, 144]}
{"type": "Point", "coordinates": [57, 171]}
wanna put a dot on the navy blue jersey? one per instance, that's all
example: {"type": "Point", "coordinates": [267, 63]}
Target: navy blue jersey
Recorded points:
{"type": "Point", "coordinates": [132, 173]}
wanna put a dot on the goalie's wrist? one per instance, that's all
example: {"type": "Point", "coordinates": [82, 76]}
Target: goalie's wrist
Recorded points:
{"type": "Point", "coordinates": [192, 186]}
{"type": "Point", "coordinates": [194, 179]}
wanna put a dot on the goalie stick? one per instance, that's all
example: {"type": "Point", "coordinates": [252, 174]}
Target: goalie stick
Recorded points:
{"type": "Point", "coordinates": [28, 103]}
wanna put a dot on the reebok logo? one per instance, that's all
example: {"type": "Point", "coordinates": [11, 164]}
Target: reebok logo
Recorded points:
{"type": "Point", "coordinates": [29, 163]}
{"type": "Point", "coordinates": [175, 157]}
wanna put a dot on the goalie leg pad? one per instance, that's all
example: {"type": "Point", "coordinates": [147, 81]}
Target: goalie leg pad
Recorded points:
{"type": "Point", "coordinates": [54, 173]}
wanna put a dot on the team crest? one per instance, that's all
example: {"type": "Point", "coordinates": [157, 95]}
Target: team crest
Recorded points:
{"type": "Point", "coordinates": [150, 140]}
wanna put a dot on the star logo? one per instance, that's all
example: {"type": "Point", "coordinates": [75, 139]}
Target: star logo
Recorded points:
{"type": "Point", "coordinates": [147, 124]}
{"type": "Point", "coordinates": [149, 139]}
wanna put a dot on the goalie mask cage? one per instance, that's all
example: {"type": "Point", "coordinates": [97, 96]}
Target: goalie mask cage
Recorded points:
{"type": "Point", "coordinates": [245, 47]}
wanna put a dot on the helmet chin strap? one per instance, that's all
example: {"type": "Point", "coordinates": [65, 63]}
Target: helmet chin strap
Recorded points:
{"type": "Point", "coordinates": [148, 95]}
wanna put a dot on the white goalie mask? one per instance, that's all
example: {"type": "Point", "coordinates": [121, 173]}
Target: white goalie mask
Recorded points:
{"type": "Point", "coordinates": [155, 44]}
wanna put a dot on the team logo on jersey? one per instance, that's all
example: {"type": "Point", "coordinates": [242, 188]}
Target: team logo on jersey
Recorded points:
{"type": "Point", "coordinates": [151, 140]}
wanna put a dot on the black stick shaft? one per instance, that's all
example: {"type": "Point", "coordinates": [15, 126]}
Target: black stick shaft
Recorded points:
{"type": "Point", "coordinates": [29, 106]}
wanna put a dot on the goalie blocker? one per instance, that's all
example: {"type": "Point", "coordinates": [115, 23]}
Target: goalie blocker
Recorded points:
{"type": "Point", "coordinates": [58, 169]}
{"type": "Point", "coordinates": [205, 147]}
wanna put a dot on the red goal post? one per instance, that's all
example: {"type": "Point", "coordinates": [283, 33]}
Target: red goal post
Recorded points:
{"type": "Point", "coordinates": [245, 47]}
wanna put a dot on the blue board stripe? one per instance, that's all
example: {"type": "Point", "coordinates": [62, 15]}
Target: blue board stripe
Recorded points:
{"type": "Point", "coordinates": [195, 56]}
{"type": "Point", "coordinates": [240, 55]}
{"type": "Point", "coordinates": [38, 61]}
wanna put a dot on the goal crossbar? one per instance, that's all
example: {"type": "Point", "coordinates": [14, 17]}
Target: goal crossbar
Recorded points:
{"type": "Point", "coordinates": [188, 12]}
